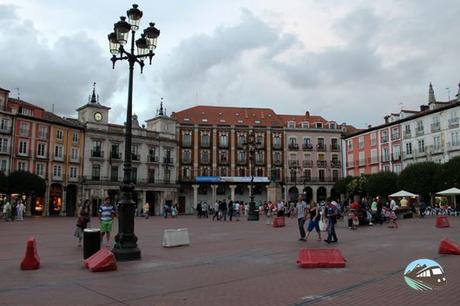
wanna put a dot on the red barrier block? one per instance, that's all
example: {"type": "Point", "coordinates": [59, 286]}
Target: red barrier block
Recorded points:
{"type": "Point", "coordinates": [448, 247]}
{"type": "Point", "coordinates": [103, 260]}
{"type": "Point", "coordinates": [278, 222]}
{"type": "Point", "coordinates": [321, 258]}
{"type": "Point", "coordinates": [31, 260]}
{"type": "Point", "coordinates": [441, 221]}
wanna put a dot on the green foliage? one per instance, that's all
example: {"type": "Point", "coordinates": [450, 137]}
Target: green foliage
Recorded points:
{"type": "Point", "coordinates": [341, 185]}
{"type": "Point", "coordinates": [420, 178]}
{"type": "Point", "coordinates": [358, 185]}
{"type": "Point", "coordinates": [449, 174]}
{"type": "Point", "coordinates": [3, 183]}
{"type": "Point", "coordinates": [24, 182]}
{"type": "Point", "coordinates": [382, 184]}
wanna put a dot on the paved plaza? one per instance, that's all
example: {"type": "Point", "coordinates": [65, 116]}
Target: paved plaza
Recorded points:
{"type": "Point", "coordinates": [237, 263]}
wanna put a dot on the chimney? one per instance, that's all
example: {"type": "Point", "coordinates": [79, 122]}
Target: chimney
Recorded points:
{"type": "Point", "coordinates": [386, 118]}
{"type": "Point", "coordinates": [369, 126]}
{"type": "Point", "coordinates": [424, 108]}
{"type": "Point", "coordinates": [307, 114]}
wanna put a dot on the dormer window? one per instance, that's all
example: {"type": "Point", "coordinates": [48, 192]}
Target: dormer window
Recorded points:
{"type": "Point", "coordinates": [332, 125]}
{"type": "Point", "coordinates": [319, 125]}
{"type": "Point", "coordinates": [25, 111]}
{"type": "Point", "coordinates": [291, 124]}
{"type": "Point", "coordinates": [305, 125]}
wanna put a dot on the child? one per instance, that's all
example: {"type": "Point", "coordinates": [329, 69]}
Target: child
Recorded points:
{"type": "Point", "coordinates": [355, 220]}
{"type": "Point", "coordinates": [82, 223]}
{"type": "Point", "coordinates": [392, 217]}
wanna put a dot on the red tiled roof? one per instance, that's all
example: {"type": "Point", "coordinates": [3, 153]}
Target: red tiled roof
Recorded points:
{"type": "Point", "coordinates": [220, 115]}
{"type": "Point", "coordinates": [25, 103]}
{"type": "Point", "coordinates": [302, 118]}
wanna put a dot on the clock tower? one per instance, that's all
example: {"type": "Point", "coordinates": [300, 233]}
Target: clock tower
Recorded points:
{"type": "Point", "coordinates": [93, 111]}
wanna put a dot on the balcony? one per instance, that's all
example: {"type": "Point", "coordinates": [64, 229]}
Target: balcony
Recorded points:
{"type": "Point", "coordinates": [260, 161]}
{"type": "Point", "coordinates": [5, 129]}
{"type": "Point", "coordinates": [407, 134]}
{"type": "Point", "coordinates": [293, 146]}
{"type": "Point", "coordinates": [419, 132]}
{"type": "Point", "coordinates": [75, 160]}
{"type": "Point", "coordinates": [407, 155]}
{"type": "Point", "coordinates": [205, 161]}
{"type": "Point", "coordinates": [187, 144]}
{"type": "Point", "coordinates": [396, 157]}
{"type": "Point", "coordinates": [321, 147]}
{"type": "Point", "coordinates": [276, 146]}
{"type": "Point", "coordinates": [135, 157]}
{"type": "Point", "coordinates": [321, 163]}
{"type": "Point", "coordinates": [453, 123]}
{"type": "Point", "coordinates": [453, 146]}
{"type": "Point", "coordinates": [277, 162]}
{"type": "Point", "coordinates": [241, 145]}
{"type": "Point", "coordinates": [151, 158]}
{"type": "Point", "coordinates": [115, 155]}
{"type": "Point", "coordinates": [205, 144]}
{"type": "Point", "coordinates": [168, 160]}
{"type": "Point", "coordinates": [385, 158]}
{"type": "Point", "coordinates": [97, 154]}
{"type": "Point", "coordinates": [241, 161]}
{"type": "Point", "coordinates": [307, 163]}
{"type": "Point", "coordinates": [394, 136]}
{"type": "Point", "coordinates": [307, 147]}
{"type": "Point", "coordinates": [310, 179]}
{"type": "Point", "coordinates": [152, 181]}
{"type": "Point", "coordinates": [436, 149]}
{"type": "Point", "coordinates": [27, 153]}
{"type": "Point", "coordinates": [223, 145]}
{"type": "Point", "coordinates": [293, 163]}
{"type": "Point", "coordinates": [362, 162]}
{"type": "Point", "coordinates": [435, 127]}
{"type": "Point", "coordinates": [335, 147]}
{"type": "Point", "coordinates": [335, 163]}
{"type": "Point", "coordinates": [385, 139]}
{"type": "Point", "coordinates": [223, 161]}
{"type": "Point", "coordinates": [186, 161]}
{"type": "Point", "coordinates": [260, 145]}
{"type": "Point", "coordinates": [59, 157]}
{"type": "Point", "coordinates": [186, 178]}
{"type": "Point", "coordinates": [373, 160]}
{"type": "Point", "coordinates": [350, 164]}
{"type": "Point", "coordinates": [5, 150]}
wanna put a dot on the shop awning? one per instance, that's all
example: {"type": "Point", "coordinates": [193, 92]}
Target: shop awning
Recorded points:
{"type": "Point", "coordinates": [403, 193]}
{"type": "Point", "coordinates": [449, 192]}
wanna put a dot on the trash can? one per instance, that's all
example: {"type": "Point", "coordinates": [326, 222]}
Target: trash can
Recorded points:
{"type": "Point", "coordinates": [91, 241]}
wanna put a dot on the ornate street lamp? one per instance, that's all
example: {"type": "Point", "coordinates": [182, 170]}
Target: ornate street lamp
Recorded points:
{"type": "Point", "coordinates": [126, 241]}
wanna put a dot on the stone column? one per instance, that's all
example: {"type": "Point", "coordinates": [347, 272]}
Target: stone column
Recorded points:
{"type": "Point", "coordinates": [46, 200]}
{"type": "Point", "coordinates": [249, 193]}
{"type": "Point", "coordinates": [232, 192]}
{"type": "Point", "coordinates": [286, 193]}
{"type": "Point", "coordinates": [315, 195]}
{"type": "Point", "coordinates": [213, 194]}
{"type": "Point", "coordinates": [195, 196]}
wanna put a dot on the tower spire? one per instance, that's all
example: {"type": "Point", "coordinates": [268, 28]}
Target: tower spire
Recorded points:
{"type": "Point", "coordinates": [431, 97]}
{"type": "Point", "coordinates": [458, 93]}
{"type": "Point", "coordinates": [93, 96]}
{"type": "Point", "coordinates": [161, 111]}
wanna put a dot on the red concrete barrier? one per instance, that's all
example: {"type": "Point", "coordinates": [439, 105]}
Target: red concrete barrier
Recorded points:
{"type": "Point", "coordinates": [31, 260]}
{"type": "Point", "coordinates": [441, 221]}
{"type": "Point", "coordinates": [321, 258]}
{"type": "Point", "coordinates": [102, 260]}
{"type": "Point", "coordinates": [448, 247]}
{"type": "Point", "coordinates": [278, 222]}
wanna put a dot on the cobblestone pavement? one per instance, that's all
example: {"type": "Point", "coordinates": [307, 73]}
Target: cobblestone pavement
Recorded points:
{"type": "Point", "coordinates": [238, 263]}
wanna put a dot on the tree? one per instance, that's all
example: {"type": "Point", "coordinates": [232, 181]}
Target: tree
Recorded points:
{"type": "Point", "coordinates": [357, 186]}
{"type": "Point", "coordinates": [449, 174]}
{"type": "Point", "coordinates": [23, 182]}
{"type": "Point", "coordinates": [382, 184]}
{"type": "Point", "coordinates": [341, 185]}
{"type": "Point", "coordinates": [3, 183]}
{"type": "Point", "coordinates": [420, 178]}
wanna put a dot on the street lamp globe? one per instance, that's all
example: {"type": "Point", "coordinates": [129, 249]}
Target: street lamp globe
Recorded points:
{"type": "Point", "coordinates": [134, 17]}
{"type": "Point", "coordinates": [152, 33]}
{"type": "Point", "coordinates": [114, 46]}
{"type": "Point", "coordinates": [122, 29]}
{"type": "Point", "coordinates": [142, 46]}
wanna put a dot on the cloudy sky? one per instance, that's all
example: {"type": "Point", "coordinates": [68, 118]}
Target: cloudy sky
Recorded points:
{"type": "Point", "coordinates": [347, 60]}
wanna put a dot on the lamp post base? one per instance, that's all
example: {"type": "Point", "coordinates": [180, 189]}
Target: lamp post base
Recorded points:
{"type": "Point", "coordinates": [126, 254]}
{"type": "Point", "coordinates": [253, 215]}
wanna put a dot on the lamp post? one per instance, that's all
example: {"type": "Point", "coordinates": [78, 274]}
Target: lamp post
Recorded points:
{"type": "Point", "coordinates": [126, 241]}
{"type": "Point", "coordinates": [251, 148]}
{"type": "Point", "coordinates": [293, 169]}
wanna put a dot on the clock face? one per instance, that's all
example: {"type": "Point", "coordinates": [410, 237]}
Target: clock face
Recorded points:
{"type": "Point", "coordinates": [98, 116]}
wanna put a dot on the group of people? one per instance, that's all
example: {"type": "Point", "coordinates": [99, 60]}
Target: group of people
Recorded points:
{"type": "Point", "coordinates": [221, 210]}
{"type": "Point", "coordinates": [13, 210]}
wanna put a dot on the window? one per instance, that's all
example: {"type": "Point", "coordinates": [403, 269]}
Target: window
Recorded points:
{"type": "Point", "coordinates": [59, 135]}
{"type": "Point", "coordinates": [420, 126]}
{"type": "Point", "coordinates": [241, 139]}
{"type": "Point", "coordinates": [97, 145]}
{"type": "Point", "coordinates": [259, 139]}
{"type": "Point", "coordinates": [41, 148]}
{"type": "Point", "coordinates": [421, 145]}
{"type": "Point", "coordinates": [24, 129]}
{"type": "Point", "coordinates": [42, 132]}
{"type": "Point", "coordinates": [319, 125]}
{"type": "Point", "coordinates": [394, 133]}
{"type": "Point", "coordinates": [205, 139]}
{"type": "Point", "coordinates": [374, 158]}
{"type": "Point", "coordinates": [134, 175]}
{"type": "Point", "coordinates": [397, 168]}
{"type": "Point", "coordinates": [22, 166]}
{"type": "Point", "coordinates": [305, 124]}
{"type": "Point", "coordinates": [407, 130]}
{"type": "Point", "coordinates": [74, 154]}
{"type": "Point", "coordinates": [350, 144]}
{"type": "Point", "coordinates": [25, 111]}
{"type": "Point", "coordinates": [73, 172]}
{"type": "Point", "coordinates": [241, 156]}
{"type": "Point", "coordinates": [114, 173]}
{"type": "Point", "coordinates": [186, 156]}
{"type": "Point", "coordinates": [292, 141]}
{"type": "Point", "coordinates": [96, 172]}
{"type": "Point", "coordinates": [58, 152]}
{"type": "Point", "coordinates": [332, 125]}
{"type": "Point", "coordinates": [223, 171]}
{"type": "Point", "coordinates": [3, 165]}
{"type": "Point", "coordinates": [277, 157]}
{"type": "Point", "coordinates": [4, 145]}
{"type": "Point", "coordinates": [57, 171]}
{"type": "Point", "coordinates": [396, 153]}
{"type": "Point", "coordinates": [40, 169]}
{"type": "Point", "coordinates": [321, 175]}
{"type": "Point", "coordinates": [187, 139]}
{"type": "Point", "coordinates": [384, 135]}
{"type": "Point", "coordinates": [4, 124]}
{"type": "Point", "coordinates": [223, 156]}
{"type": "Point", "coordinates": [23, 147]}
{"type": "Point", "coordinates": [409, 148]}
{"type": "Point", "coordinates": [385, 155]}
{"type": "Point", "coordinates": [75, 137]}
{"type": "Point", "coordinates": [167, 175]}
{"type": "Point", "coordinates": [436, 142]}
{"type": "Point", "coordinates": [205, 156]}
{"type": "Point", "coordinates": [291, 124]}
{"type": "Point", "coordinates": [223, 140]}
{"type": "Point", "coordinates": [151, 176]}
{"type": "Point", "coordinates": [455, 138]}
{"type": "Point", "coordinates": [259, 156]}
{"type": "Point", "coordinates": [361, 142]}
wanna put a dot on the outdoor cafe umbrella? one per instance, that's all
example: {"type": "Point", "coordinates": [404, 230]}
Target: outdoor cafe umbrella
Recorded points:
{"type": "Point", "coordinates": [402, 193]}
{"type": "Point", "coordinates": [450, 192]}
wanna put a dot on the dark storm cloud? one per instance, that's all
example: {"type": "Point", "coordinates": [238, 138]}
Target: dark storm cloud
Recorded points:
{"type": "Point", "coordinates": [59, 75]}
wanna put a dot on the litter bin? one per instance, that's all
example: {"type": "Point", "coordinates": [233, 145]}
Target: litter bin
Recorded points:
{"type": "Point", "coordinates": [91, 241]}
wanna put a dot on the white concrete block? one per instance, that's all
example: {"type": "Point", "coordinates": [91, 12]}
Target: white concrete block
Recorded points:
{"type": "Point", "coordinates": [176, 237]}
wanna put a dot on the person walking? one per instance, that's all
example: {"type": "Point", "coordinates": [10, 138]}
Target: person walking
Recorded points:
{"type": "Point", "coordinates": [280, 209]}
{"type": "Point", "coordinates": [216, 211]}
{"type": "Point", "coordinates": [224, 210]}
{"type": "Point", "coordinates": [106, 214]}
{"type": "Point", "coordinates": [331, 215]}
{"type": "Point", "coordinates": [146, 210]}
{"type": "Point", "coordinates": [301, 208]}
{"type": "Point", "coordinates": [7, 211]}
{"type": "Point", "coordinates": [20, 211]}
{"type": "Point", "coordinates": [313, 223]}
{"type": "Point", "coordinates": [230, 210]}
{"type": "Point", "coordinates": [82, 223]}
{"type": "Point", "coordinates": [204, 210]}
